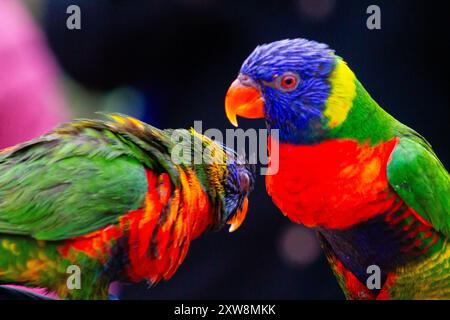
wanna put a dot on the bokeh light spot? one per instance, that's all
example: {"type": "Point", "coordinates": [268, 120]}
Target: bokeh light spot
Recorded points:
{"type": "Point", "coordinates": [316, 10]}
{"type": "Point", "coordinates": [299, 246]}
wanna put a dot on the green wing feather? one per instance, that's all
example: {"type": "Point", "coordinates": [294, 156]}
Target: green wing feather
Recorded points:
{"type": "Point", "coordinates": [418, 176]}
{"type": "Point", "coordinates": [79, 178]}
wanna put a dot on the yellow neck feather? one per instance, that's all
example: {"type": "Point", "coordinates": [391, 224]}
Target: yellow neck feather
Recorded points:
{"type": "Point", "coordinates": [343, 91]}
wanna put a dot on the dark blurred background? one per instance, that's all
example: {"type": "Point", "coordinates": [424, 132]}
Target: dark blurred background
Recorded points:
{"type": "Point", "coordinates": [170, 63]}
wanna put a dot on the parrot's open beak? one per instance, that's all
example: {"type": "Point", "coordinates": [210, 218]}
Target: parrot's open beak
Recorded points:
{"type": "Point", "coordinates": [236, 221]}
{"type": "Point", "coordinates": [245, 100]}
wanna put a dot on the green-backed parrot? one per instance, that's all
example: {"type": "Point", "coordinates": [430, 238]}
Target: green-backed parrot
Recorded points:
{"type": "Point", "coordinates": [373, 188]}
{"type": "Point", "coordinates": [112, 200]}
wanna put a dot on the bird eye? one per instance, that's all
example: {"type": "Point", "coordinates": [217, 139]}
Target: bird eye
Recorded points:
{"type": "Point", "coordinates": [288, 81]}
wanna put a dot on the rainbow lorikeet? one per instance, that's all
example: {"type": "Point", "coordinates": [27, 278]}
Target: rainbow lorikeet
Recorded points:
{"type": "Point", "coordinates": [109, 199]}
{"type": "Point", "coordinates": [373, 188]}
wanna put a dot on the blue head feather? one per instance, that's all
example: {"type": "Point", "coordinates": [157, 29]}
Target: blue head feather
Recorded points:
{"type": "Point", "coordinates": [297, 114]}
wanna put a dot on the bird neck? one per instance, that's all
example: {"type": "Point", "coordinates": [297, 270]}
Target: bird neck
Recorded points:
{"type": "Point", "coordinates": [349, 112]}
{"type": "Point", "coordinates": [366, 121]}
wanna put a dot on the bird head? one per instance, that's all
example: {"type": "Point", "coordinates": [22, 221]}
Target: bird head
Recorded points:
{"type": "Point", "coordinates": [240, 180]}
{"type": "Point", "coordinates": [227, 178]}
{"type": "Point", "coordinates": [299, 87]}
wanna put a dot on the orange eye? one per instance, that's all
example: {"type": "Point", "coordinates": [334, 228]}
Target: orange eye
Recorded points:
{"type": "Point", "coordinates": [289, 81]}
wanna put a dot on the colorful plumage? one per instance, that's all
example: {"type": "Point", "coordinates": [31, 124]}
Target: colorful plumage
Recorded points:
{"type": "Point", "coordinates": [372, 188]}
{"type": "Point", "coordinates": [114, 199]}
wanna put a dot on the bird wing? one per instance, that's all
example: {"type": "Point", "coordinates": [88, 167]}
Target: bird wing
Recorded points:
{"type": "Point", "coordinates": [73, 181]}
{"type": "Point", "coordinates": [417, 175]}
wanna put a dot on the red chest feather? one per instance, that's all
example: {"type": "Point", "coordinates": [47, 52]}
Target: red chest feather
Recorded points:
{"type": "Point", "coordinates": [334, 184]}
{"type": "Point", "coordinates": [158, 234]}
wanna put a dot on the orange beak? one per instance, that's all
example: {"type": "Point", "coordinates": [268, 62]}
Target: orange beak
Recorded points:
{"type": "Point", "coordinates": [239, 217]}
{"type": "Point", "coordinates": [243, 100]}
